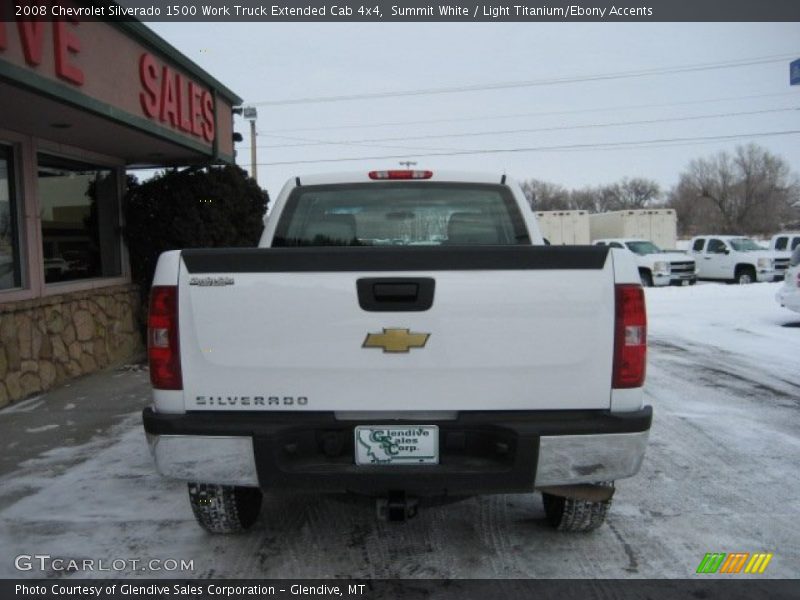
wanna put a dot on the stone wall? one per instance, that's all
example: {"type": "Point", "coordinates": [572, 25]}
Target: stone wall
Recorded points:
{"type": "Point", "coordinates": [46, 341]}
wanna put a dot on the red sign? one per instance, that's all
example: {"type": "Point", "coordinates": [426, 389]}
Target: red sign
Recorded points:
{"type": "Point", "coordinates": [65, 44]}
{"type": "Point", "coordinates": [175, 100]}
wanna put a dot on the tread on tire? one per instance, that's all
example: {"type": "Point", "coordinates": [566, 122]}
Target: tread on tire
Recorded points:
{"type": "Point", "coordinates": [574, 515]}
{"type": "Point", "coordinates": [224, 508]}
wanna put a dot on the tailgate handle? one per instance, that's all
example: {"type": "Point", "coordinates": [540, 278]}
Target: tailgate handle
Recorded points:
{"type": "Point", "coordinates": [379, 294]}
{"type": "Point", "coordinates": [395, 292]}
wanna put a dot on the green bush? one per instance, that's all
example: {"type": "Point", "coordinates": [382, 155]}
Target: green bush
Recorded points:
{"type": "Point", "coordinates": [193, 208]}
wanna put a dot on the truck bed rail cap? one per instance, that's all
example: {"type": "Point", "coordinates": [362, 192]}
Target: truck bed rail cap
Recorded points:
{"type": "Point", "coordinates": [366, 259]}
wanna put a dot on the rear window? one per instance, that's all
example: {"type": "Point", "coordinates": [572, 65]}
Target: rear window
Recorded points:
{"type": "Point", "coordinates": [401, 214]}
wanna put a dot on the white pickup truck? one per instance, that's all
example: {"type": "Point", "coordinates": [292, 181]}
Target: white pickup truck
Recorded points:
{"type": "Point", "coordinates": [398, 334]}
{"type": "Point", "coordinates": [656, 266]}
{"type": "Point", "coordinates": [782, 245]}
{"type": "Point", "coordinates": [733, 258]}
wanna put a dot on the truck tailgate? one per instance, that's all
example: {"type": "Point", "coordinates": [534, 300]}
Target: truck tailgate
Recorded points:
{"type": "Point", "coordinates": [509, 328]}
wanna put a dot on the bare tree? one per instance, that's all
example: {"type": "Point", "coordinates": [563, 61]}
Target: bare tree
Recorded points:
{"type": "Point", "coordinates": [634, 193]}
{"type": "Point", "coordinates": [587, 198]}
{"type": "Point", "coordinates": [628, 193]}
{"type": "Point", "coordinates": [750, 191]}
{"type": "Point", "coordinates": [544, 195]}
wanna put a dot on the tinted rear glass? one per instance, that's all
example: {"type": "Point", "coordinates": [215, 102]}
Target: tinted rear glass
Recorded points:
{"type": "Point", "coordinates": [401, 214]}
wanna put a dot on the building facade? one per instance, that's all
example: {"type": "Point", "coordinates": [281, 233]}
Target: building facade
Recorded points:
{"type": "Point", "coordinates": [81, 101]}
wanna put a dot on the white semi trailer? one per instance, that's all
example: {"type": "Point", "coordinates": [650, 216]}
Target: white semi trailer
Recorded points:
{"type": "Point", "coordinates": [658, 225]}
{"type": "Point", "coordinates": [561, 227]}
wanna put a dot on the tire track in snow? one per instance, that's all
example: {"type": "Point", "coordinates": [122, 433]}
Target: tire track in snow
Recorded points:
{"type": "Point", "coordinates": [714, 366]}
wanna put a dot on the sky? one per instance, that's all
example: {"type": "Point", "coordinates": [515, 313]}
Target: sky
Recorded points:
{"type": "Point", "coordinates": [573, 91]}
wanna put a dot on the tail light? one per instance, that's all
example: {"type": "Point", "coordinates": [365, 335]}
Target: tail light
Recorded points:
{"type": "Point", "coordinates": [400, 174]}
{"type": "Point", "coordinates": [162, 338]}
{"type": "Point", "coordinates": [630, 337]}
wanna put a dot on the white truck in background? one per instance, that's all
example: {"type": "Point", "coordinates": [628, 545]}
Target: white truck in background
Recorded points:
{"type": "Point", "coordinates": [733, 258]}
{"type": "Point", "coordinates": [783, 244]}
{"type": "Point", "coordinates": [564, 227]}
{"type": "Point", "coordinates": [788, 295]}
{"type": "Point", "coordinates": [658, 225]}
{"type": "Point", "coordinates": [656, 266]}
{"type": "Point", "coordinates": [398, 334]}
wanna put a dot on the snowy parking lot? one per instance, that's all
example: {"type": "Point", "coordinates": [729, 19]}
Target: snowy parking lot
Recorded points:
{"type": "Point", "coordinates": [720, 476]}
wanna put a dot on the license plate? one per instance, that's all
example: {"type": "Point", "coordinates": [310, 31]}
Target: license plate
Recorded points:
{"type": "Point", "coordinates": [397, 445]}
{"type": "Point", "coordinates": [685, 282]}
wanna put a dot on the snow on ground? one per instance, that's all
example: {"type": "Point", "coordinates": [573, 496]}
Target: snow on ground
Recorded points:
{"type": "Point", "coordinates": [743, 320]}
{"type": "Point", "coordinates": [720, 476]}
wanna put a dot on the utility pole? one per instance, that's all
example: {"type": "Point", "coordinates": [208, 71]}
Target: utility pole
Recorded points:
{"type": "Point", "coordinates": [251, 114]}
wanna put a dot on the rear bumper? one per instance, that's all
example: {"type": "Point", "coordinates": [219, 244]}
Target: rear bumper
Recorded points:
{"type": "Point", "coordinates": [480, 452]}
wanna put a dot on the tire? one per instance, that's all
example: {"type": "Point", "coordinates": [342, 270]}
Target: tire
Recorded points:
{"type": "Point", "coordinates": [573, 515]}
{"type": "Point", "coordinates": [745, 275]}
{"type": "Point", "coordinates": [647, 279]}
{"type": "Point", "coordinates": [224, 508]}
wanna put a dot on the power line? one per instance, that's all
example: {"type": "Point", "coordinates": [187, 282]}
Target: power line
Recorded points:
{"type": "Point", "coordinates": [315, 142]}
{"type": "Point", "coordinates": [530, 83]}
{"type": "Point", "coordinates": [607, 145]}
{"type": "Point", "coordinates": [528, 114]}
{"type": "Point", "coordinates": [309, 142]}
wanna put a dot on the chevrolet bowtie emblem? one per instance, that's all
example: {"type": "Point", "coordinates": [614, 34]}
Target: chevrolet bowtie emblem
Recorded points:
{"type": "Point", "coordinates": [396, 340]}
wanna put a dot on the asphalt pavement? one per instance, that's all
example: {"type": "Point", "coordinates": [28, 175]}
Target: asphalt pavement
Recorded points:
{"type": "Point", "coordinates": [69, 416]}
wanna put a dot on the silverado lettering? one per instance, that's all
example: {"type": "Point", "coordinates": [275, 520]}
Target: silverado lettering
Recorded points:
{"type": "Point", "coordinates": [250, 400]}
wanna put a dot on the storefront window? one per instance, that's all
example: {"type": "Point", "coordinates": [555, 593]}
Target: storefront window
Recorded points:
{"type": "Point", "coordinates": [9, 239]}
{"type": "Point", "coordinates": [80, 220]}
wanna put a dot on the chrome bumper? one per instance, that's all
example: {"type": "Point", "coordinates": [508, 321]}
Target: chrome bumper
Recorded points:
{"type": "Point", "coordinates": [227, 460]}
{"type": "Point", "coordinates": [563, 459]}
{"type": "Point", "coordinates": [568, 459]}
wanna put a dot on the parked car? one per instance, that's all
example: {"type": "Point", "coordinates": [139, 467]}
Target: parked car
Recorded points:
{"type": "Point", "coordinates": [782, 244]}
{"type": "Point", "coordinates": [785, 242]}
{"type": "Point", "coordinates": [398, 334]}
{"type": "Point", "coordinates": [657, 267]}
{"type": "Point", "coordinates": [788, 295]}
{"type": "Point", "coordinates": [732, 258]}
